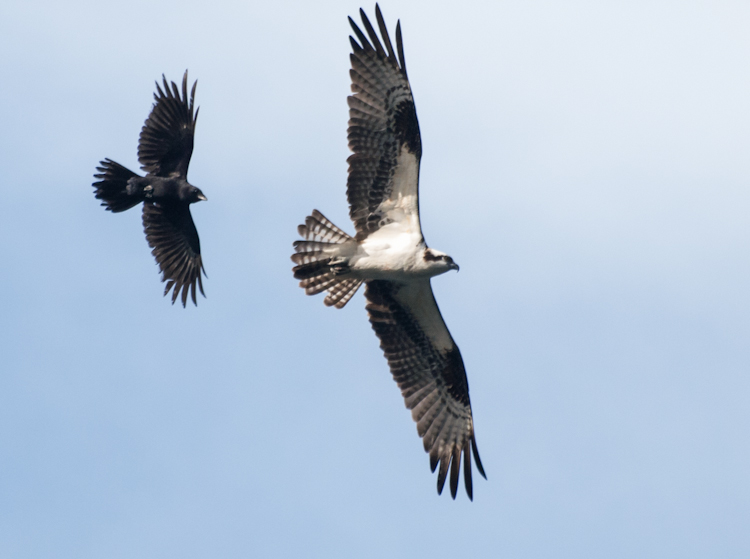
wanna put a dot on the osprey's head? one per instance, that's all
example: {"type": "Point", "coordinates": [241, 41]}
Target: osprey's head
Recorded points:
{"type": "Point", "coordinates": [438, 261]}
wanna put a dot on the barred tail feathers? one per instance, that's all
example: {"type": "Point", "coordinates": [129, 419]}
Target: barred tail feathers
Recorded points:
{"type": "Point", "coordinates": [317, 264]}
{"type": "Point", "coordinates": [318, 227]}
{"type": "Point", "coordinates": [112, 189]}
{"type": "Point", "coordinates": [339, 295]}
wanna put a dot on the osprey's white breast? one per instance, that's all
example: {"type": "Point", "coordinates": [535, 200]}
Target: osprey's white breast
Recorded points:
{"type": "Point", "coordinates": [394, 252]}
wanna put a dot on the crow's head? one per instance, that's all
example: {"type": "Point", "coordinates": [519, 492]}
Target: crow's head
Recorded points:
{"type": "Point", "coordinates": [195, 195]}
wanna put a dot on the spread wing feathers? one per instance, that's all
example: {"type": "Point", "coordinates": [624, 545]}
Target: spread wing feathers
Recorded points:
{"type": "Point", "coordinates": [166, 142]}
{"type": "Point", "coordinates": [315, 261]}
{"type": "Point", "coordinates": [427, 365]}
{"type": "Point", "coordinates": [383, 130]}
{"type": "Point", "coordinates": [112, 188]}
{"type": "Point", "coordinates": [172, 235]}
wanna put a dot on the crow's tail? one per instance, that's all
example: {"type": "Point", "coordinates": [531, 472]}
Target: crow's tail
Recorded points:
{"type": "Point", "coordinates": [112, 189]}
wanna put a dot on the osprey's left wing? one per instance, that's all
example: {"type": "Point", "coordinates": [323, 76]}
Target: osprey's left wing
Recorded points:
{"type": "Point", "coordinates": [383, 133]}
{"type": "Point", "coordinates": [427, 365]}
{"type": "Point", "coordinates": [166, 142]}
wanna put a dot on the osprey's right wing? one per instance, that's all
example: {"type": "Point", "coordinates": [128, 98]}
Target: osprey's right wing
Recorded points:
{"type": "Point", "coordinates": [383, 133]}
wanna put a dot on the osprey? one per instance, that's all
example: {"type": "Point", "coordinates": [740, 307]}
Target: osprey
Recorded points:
{"type": "Point", "coordinates": [164, 150]}
{"type": "Point", "coordinates": [390, 256]}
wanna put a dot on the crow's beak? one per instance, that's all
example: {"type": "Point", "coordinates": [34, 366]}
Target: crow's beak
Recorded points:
{"type": "Point", "coordinates": [201, 196]}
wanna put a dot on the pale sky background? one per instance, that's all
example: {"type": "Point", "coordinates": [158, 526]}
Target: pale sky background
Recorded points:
{"type": "Point", "coordinates": [586, 163]}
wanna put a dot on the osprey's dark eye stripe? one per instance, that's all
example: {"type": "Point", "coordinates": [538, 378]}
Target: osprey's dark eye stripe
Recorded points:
{"type": "Point", "coordinates": [431, 257]}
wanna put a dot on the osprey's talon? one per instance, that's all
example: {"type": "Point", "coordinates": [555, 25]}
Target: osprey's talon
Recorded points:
{"type": "Point", "coordinates": [339, 265]}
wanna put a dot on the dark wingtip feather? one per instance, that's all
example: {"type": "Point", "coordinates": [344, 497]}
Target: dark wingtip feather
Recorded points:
{"type": "Point", "coordinates": [359, 34]}
{"type": "Point", "coordinates": [194, 116]}
{"type": "Point", "coordinates": [384, 33]}
{"type": "Point", "coordinates": [200, 282]}
{"type": "Point", "coordinates": [167, 90]}
{"type": "Point", "coordinates": [442, 473]}
{"type": "Point", "coordinates": [400, 47]}
{"type": "Point", "coordinates": [158, 93]}
{"type": "Point", "coordinates": [166, 86]}
{"type": "Point", "coordinates": [455, 467]}
{"type": "Point", "coordinates": [475, 452]}
{"type": "Point", "coordinates": [467, 473]}
{"type": "Point", "coordinates": [169, 285]}
{"type": "Point", "coordinates": [371, 32]}
{"type": "Point", "coordinates": [184, 85]}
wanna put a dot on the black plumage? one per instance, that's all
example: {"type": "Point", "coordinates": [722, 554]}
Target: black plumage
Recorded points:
{"type": "Point", "coordinates": [164, 150]}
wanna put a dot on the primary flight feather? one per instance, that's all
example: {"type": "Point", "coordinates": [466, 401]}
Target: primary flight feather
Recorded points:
{"type": "Point", "coordinates": [389, 255]}
{"type": "Point", "coordinates": [164, 150]}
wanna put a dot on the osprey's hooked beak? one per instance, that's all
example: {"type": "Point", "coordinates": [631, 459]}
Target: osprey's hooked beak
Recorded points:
{"type": "Point", "coordinates": [454, 266]}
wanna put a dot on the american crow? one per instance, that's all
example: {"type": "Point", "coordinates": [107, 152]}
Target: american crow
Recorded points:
{"type": "Point", "coordinates": [164, 149]}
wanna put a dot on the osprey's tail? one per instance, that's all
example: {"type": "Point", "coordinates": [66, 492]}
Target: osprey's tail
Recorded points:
{"type": "Point", "coordinates": [319, 261]}
{"type": "Point", "coordinates": [112, 189]}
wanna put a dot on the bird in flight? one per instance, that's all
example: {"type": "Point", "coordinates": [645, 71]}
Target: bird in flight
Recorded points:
{"type": "Point", "coordinates": [389, 254]}
{"type": "Point", "coordinates": [164, 149]}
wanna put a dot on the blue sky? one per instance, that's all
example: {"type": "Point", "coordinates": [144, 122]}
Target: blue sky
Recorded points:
{"type": "Point", "coordinates": [585, 163]}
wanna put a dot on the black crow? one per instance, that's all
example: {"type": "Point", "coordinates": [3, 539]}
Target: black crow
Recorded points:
{"type": "Point", "coordinates": [164, 149]}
